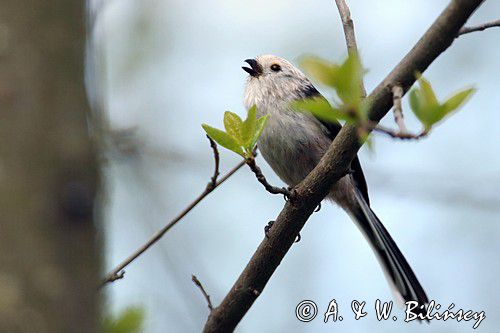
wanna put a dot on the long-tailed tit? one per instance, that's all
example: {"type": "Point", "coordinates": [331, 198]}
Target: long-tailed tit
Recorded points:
{"type": "Point", "coordinates": [293, 142]}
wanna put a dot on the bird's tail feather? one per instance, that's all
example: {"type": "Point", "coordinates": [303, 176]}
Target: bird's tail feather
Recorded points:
{"type": "Point", "coordinates": [399, 274]}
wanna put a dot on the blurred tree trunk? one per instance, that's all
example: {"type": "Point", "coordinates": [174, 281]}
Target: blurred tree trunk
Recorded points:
{"type": "Point", "coordinates": [49, 263]}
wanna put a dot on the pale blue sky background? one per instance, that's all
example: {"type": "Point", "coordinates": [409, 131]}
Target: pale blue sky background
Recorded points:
{"type": "Point", "coordinates": [172, 65]}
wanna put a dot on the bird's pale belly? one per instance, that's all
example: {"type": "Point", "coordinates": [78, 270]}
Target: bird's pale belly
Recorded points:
{"type": "Point", "coordinates": [293, 147]}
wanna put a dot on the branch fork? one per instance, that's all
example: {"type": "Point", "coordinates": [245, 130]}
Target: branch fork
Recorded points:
{"type": "Point", "coordinates": [118, 272]}
{"type": "Point", "coordinates": [402, 132]}
{"type": "Point", "coordinates": [288, 194]}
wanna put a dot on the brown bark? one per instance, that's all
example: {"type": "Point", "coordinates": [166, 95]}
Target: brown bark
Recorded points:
{"type": "Point", "coordinates": [331, 168]}
{"type": "Point", "coordinates": [48, 171]}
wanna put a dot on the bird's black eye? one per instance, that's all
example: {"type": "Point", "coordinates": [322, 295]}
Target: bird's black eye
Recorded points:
{"type": "Point", "coordinates": [276, 67]}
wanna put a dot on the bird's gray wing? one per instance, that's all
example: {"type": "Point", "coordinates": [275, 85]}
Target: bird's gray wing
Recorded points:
{"type": "Point", "coordinates": [333, 128]}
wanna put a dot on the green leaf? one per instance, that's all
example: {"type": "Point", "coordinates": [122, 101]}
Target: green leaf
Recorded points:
{"type": "Point", "coordinates": [233, 125]}
{"type": "Point", "coordinates": [259, 127]}
{"type": "Point", "coordinates": [321, 109]}
{"type": "Point", "coordinates": [457, 100]}
{"type": "Point", "coordinates": [415, 100]}
{"type": "Point", "coordinates": [427, 91]}
{"type": "Point", "coordinates": [320, 69]}
{"type": "Point", "coordinates": [223, 139]}
{"type": "Point", "coordinates": [346, 79]}
{"type": "Point", "coordinates": [433, 114]}
{"type": "Point", "coordinates": [248, 128]}
{"type": "Point", "coordinates": [420, 108]}
{"type": "Point", "coordinates": [349, 78]}
{"type": "Point", "coordinates": [428, 115]}
{"type": "Point", "coordinates": [426, 106]}
{"type": "Point", "coordinates": [129, 321]}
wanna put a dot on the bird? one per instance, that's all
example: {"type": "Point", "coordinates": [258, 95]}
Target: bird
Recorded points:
{"type": "Point", "coordinates": [292, 143]}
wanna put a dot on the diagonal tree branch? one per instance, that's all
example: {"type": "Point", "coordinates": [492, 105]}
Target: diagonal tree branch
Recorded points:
{"type": "Point", "coordinates": [118, 272]}
{"type": "Point", "coordinates": [331, 168]}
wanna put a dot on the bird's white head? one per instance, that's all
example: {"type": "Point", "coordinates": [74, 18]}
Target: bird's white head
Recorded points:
{"type": "Point", "coordinates": [274, 81]}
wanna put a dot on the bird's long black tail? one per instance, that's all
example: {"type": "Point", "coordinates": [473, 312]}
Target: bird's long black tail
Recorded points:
{"type": "Point", "coordinates": [398, 272]}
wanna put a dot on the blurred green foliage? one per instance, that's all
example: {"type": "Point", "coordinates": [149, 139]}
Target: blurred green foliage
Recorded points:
{"type": "Point", "coordinates": [346, 79]}
{"type": "Point", "coordinates": [130, 320]}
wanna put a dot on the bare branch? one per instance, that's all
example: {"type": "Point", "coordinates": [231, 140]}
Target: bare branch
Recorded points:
{"type": "Point", "coordinates": [213, 180]}
{"type": "Point", "coordinates": [399, 134]}
{"type": "Point", "coordinates": [113, 277]}
{"type": "Point", "coordinates": [481, 27]}
{"type": "Point", "coordinates": [207, 296]}
{"type": "Point", "coordinates": [402, 133]}
{"type": "Point", "coordinates": [332, 166]}
{"type": "Point", "coordinates": [350, 36]}
{"type": "Point", "coordinates": [397, 93]}
{"type": "Point", "coordinates": [260, 177]}
{"type": "Point", "coordinates": [118, 272]}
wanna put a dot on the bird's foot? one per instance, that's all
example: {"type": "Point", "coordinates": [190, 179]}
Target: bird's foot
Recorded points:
{"type": "Point", "coordinates": [267, 228]}
{"type": "Point", "coordinates": [289, 193]}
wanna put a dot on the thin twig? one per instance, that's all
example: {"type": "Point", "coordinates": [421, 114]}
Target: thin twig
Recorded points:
{"type": "Point", "coordinates": [397, 95]}
{"type": "Point", "coordinates": [118, 273]}
{"type": "Point", "coordinates": [374, 126]}
{"type": "Point", "coordinates": [116, 276]}
{"type": "Point", "coordinates": [402, 132]}
{"type": "Point", "coordinates": [262, 179]}
{"type": "Point", "coordinates": [399, 134]}
{"type": "Point", "coordinates": [350, 36]}
{"type": "Point", "coordinates": [207, 296]}
{"type": "Point", "coordinates": [481, 27]}
{"type": "Point", "coordinates": [352, 48]}
{"type": "Point", "coordinates": [213, 180]}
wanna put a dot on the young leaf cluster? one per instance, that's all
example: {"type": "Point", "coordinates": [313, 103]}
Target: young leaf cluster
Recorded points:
{"type": "Point", "coordinates": [428, 109]}
{"type": "Point", "coordinates": [346, 79]}
{"type": "Point", "coordinates": [241, 135]}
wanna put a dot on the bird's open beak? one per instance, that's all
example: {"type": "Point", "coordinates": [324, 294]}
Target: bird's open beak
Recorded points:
{"type": "Point", "coordinates": [255, 68]}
